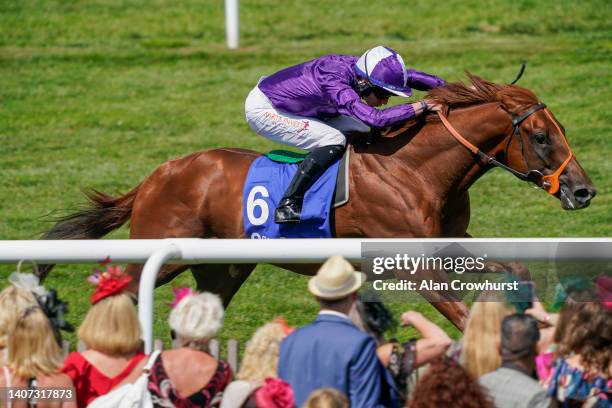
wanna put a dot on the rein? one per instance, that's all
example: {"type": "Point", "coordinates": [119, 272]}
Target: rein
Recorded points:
{"type": "Point", "coordinates": [550, 182]}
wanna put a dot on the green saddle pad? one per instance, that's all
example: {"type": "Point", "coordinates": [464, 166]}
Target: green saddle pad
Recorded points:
{"type": "Point", "coordinates": [285, 156]}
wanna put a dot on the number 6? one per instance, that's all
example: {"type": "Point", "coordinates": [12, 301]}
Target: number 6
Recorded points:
{"type": "Point", "coordinates": [259, 202]}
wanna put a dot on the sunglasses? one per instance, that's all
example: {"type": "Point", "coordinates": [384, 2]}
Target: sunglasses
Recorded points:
{"type": "Point", "coordinates": [381, 93]}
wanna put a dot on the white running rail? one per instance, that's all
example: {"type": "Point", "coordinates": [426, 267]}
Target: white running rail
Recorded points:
{"type": "Point", "coordinates": [155, 253]}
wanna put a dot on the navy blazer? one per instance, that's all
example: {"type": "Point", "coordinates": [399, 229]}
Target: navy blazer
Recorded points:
{"type": "Point", "coordinates": [333, 352]}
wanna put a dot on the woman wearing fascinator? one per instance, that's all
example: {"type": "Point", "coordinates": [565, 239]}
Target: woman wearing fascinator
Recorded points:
{"type": "Point", "coordinates": [13, 300]}
{"type": "Point", "coordinates": [112, 335]}
{"type": "Point", "coordinates": [30, 320]}
{"type": "Point", "coordinates": [257, 383]}
{"type": "Point", "coordinates": [188, 376]}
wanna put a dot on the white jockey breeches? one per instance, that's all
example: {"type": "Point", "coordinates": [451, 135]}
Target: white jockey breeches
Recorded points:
{"type": "Point", "coordinates": [298, 131]}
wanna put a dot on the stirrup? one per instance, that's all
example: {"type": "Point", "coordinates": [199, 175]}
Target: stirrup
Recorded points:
{"type": "Point", "coordinates": [288, 211]}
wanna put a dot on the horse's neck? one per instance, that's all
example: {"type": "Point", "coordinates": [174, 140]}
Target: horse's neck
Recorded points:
{"type": "Point", "coordinates": [436, 159]}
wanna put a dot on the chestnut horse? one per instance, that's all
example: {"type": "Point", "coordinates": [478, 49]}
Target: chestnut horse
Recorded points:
{"type": "Point", "coordinates": [411, 183]}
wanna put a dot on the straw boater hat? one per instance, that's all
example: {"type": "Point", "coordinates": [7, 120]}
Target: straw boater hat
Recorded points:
{"type": "Point", "coordinates": [335, 279]}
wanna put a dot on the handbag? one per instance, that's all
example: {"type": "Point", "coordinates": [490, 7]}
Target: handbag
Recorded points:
{"type": "Point", "coordinates": [134, 395]}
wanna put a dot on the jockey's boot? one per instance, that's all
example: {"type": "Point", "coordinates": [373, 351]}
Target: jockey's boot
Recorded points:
{"type": "Point", "coordinates": [313, 166]}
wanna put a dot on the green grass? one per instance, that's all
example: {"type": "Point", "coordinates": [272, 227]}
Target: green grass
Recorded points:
{"type": "Point", "coordinates": [99, 93]}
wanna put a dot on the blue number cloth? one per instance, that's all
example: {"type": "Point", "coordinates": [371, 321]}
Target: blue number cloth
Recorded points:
{"type": "Point", "coordinates": [264, 187]}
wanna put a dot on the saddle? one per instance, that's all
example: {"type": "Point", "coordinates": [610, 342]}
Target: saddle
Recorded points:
{"type": "Point", "coordinates": [265, 183]}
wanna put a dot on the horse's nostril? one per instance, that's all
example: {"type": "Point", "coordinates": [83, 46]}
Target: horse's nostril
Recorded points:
{"type": "Point", "coordinates": [584, 195]}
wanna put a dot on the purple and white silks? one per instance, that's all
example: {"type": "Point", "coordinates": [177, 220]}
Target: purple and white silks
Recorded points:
{"type": "Point", "coordinates": [323, 88]}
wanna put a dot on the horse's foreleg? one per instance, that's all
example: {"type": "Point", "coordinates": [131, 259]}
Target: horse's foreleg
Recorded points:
{"type": "Point", "coordinates": [222, 279]}
{"type": "Point", "coordinates": [457, 312]}
{"type": "Point", "coordinates": [438, 292]}
{"type": "Point", "coordinates": [446, 302]}
{"type": "Point", "coordinates": [518, 269]}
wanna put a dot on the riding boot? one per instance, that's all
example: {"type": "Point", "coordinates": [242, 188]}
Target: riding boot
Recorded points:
{"type": "Point", "coordinates": [314, 165]}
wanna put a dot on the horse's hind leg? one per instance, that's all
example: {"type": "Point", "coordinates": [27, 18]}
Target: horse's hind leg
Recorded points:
{"type": "Point", "coordinates": [222, 279]}
{"type": "Point", "coordinates": [166, 274]}
{"type": "Point", "coordinates": [156, 218]}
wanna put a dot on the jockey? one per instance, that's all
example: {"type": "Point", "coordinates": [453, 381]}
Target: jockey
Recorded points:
{"type": "Point", "coordinates": [312, 105]}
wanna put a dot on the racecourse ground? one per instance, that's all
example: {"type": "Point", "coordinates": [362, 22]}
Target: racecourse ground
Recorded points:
{"type": "Point", "coordinates": [98, 93]}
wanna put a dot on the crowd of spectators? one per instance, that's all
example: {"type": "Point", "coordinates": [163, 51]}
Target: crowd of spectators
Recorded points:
{"type": "Point", "coordinates": [342, 359]}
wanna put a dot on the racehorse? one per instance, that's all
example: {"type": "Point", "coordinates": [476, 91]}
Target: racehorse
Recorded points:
{"type": "Point", "coordinates": [412, 181]}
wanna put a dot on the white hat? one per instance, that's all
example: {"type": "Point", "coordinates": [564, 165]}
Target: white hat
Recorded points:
{"type": "Point", "coordinates": [335, 279]}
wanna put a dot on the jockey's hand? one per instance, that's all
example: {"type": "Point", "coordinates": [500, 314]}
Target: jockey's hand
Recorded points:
{"type": "Point", "coordinates": [433, 106]}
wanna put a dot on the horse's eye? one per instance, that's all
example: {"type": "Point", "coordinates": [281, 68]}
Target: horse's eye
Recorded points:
{"type": "Point", "coordinates": [541, 138]}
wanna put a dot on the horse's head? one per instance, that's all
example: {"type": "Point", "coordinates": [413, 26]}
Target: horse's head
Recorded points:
{"type": "Point", "coordinates": [535, 147]}
{"type": "Point", "coordinates": [538, 147]}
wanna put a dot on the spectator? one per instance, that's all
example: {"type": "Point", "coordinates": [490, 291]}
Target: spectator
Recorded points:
{"type": "Point", "coordinates": [274, 393]}
{"type": "Point", "coordinates": [332, 351]}
{"type": "Point", "coordinates": [260, 361]}
{"type": "Point", "coordinates": [189, 376]}
{"type": "Point", "coordinates": [571, 291]}
{"type": "Point", "coordinates": [514, 384]}
{"type": "Point", "coordinates": [401, 359]}
{"type": "Point", "coordinates": [547, 321]}
{"type": "Point", "coordinates": [447, 384]}
{"type": "Point", "coordinates": [261, 355]}
{"type": "Point", "coordinates": [111, 333]}
{"type": "Point", "coordinates": [326, 398]}
{"type": "Point", "coordinates": [555, 327]}
{"type": "Point", "coordinates": [34, 360]}
{"type": "Point", "coordinates": [13, 301]}
{"type": "Point", "coordinates": [572, 304]}
{"type": "Point", "coordinates": [583, 373]}
{"type": "Point", "coordinates": [478, 347]}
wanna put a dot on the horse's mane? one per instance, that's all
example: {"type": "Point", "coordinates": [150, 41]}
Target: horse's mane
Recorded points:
{"type": "Point", "coordinates": [455, 95]}
{"type": "Point", "coordinates": [514, 99]}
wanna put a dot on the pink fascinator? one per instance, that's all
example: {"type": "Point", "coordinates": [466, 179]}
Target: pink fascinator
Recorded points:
{"type": "Point", "coordinates": [275, 393]}
{"type": "Point", "coordinates": [180, 294]}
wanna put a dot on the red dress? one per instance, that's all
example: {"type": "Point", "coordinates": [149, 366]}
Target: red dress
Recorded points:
{"type": "Point", "coordinates": [90, 383]}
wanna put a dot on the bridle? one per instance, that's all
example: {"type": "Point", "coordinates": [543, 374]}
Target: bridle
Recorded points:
{"type": "Point", "coordinates": [549, 182]}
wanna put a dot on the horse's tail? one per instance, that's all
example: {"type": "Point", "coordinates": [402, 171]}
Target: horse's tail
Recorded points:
{"type": "Point", "coordinates": [103, 215]}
